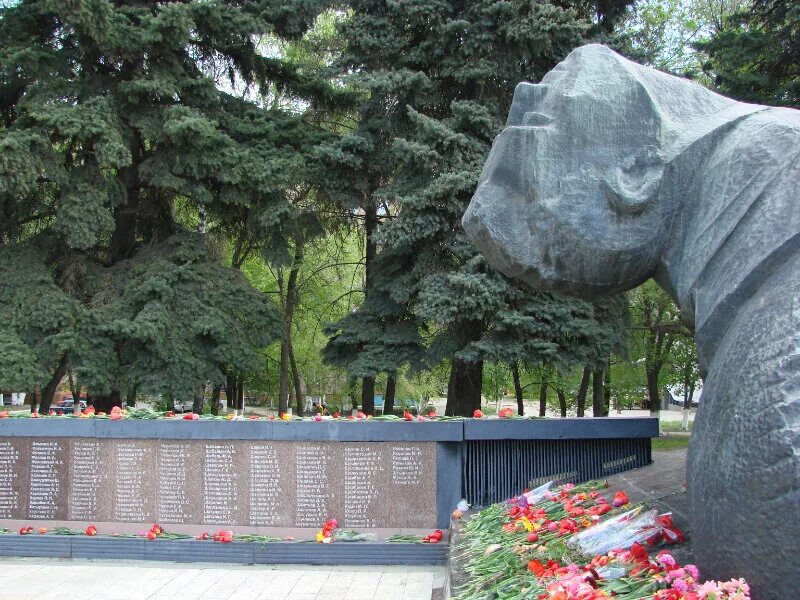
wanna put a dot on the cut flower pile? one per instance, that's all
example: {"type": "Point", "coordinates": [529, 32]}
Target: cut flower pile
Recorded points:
{"type": "Point", "coordinates": [118, 414]}
{"type": "Point", "coordinates": [572, 543]}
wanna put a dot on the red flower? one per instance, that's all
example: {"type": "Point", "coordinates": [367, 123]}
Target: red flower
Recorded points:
{"type": "Point", "coordinates": [639, 553]}
{"type": "Point", "coordinates": [620, 499]}
{"type": "Point", "coordinates": [478, 414]}
{"type": "Point", "coordinates": [151, 535]}
{"type": "Point", "coordinates": [533, 537]}
{"type": "Point", "coordinates": [599, 509]}
{"type": "Point", "coordinates": [91, 530]}
{"type": "Point", "coordinates": [408, 416]}
{"type": "Point", "coordinates": [25, 530]}
{"type": "Point", "coordinates": [536, 567]}
{"type": "Point", "coordinates": [191, 417]}
{"type": "Point", "coordinates": [4, 414]}
{"type": "Point", "coordinates": [360, 415]}
{"type": "Point", "coordinates": [169, 414]}
{"type": "Point", "coordinates": [34, 415]}
{"type": "Point", "coordinates": [431, 413]}
{"type": "Point", "coordinates": [336, 415]}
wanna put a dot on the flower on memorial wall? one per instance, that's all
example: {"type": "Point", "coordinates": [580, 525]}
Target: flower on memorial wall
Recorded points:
{"type": "Point", "coordinates": [34, 415]}
{"type": "Point", "coordinates": [505, 413]}
{"type": "Point", "coordinates": [224, 537]}
{"type": "Point", "coordinates": [42, 530]}
{"type": "Point", "coordinates": [4, 414]}
{"type": "Point", "coordinates": [91, 530]}
{"type": "Point", "coordinates": [478, 414]}
{"type": "Point", "coordinates": [325, 535]}
{"type": "Point", "coordinates": [169, 414]}
{"type": "Point", "coordinates": [25, 530]}
{"type": "Point", "coordinates": [116, 413]}
{"type": "Point", "coordinates": [433, 538]}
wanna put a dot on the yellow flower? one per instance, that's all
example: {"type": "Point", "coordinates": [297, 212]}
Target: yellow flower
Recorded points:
{"type": "Point", "coordinates": [320, 538]}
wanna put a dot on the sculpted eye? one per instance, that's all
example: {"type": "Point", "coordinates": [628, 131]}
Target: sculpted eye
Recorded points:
{"type": "Point", "coordinates": [536, 119]}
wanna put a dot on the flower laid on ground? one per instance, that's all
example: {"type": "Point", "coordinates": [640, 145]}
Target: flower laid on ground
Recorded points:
{"type": "Point", "coordinates": [571, 543]}
{"type": "Point", "coordinates": [478, 414]}
{"type": "Point", "coordinates": [505, 413]}
{"type": "Point", "coordinates": [91, 530]}
{"type": "Point", "coordinates": [325, 535]}
{"type": "Point", "coordinates": [25, 530]}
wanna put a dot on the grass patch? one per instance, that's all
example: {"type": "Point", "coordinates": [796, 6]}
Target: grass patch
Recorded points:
{"type": "Point", "coordinates": [670, 443]}
{"type": "Point", "coordinates": [674, 426]}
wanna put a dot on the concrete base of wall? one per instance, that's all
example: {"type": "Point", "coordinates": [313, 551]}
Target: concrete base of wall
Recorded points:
{"type": "Point", "coordinates": [272, 553]}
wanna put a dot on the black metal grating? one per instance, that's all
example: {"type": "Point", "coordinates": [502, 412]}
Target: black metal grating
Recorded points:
{"type": "Point", "coordinates": [495, 470]}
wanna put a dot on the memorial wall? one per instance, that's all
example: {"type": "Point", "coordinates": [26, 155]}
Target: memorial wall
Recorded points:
{"type": "Point", "coordinates": [219, 482]}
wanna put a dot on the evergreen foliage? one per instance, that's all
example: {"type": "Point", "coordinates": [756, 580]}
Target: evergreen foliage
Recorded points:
{"type": "Point", "coordinates": [112, 114]}
{"type": "Point", "coordinates": [757, 58]}
{"type": "Point", "coordinates": [438, 78]}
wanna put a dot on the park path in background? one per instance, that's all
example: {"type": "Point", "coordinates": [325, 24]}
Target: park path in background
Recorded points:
{"type": "Point", "coordinates": [53, 579]}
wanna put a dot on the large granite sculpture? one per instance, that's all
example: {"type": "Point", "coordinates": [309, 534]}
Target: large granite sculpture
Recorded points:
{"type": "Point", "coordinates": [609, 173]}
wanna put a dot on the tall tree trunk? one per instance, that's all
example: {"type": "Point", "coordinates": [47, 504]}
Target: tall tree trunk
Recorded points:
{"type": "Point", "coordinates": [36, 399]}
{"type": "Point", "coordinates": [297, 379]}
{"type": "Point", "coordinates": [289, 300]}
{"type": "Point", "coordinates": [199, 400]}
{"type": "Point", "coordinates": [562, 402]}
{"type": "Point", "coordinates": [607, 389]}
{"type": "Point", "coordinates": [73, 386]}
{"type": "Point", "coordinates": [106, 402]}
{"type": "Point", "coordinates": [231, 392]}
{"type": "Point", "coordinates": [370, 225]}
{"type": "Point", "coordinates": [464, 388]}
{"type": "Point", "coordinates": [653, 398]}
{"type": "Point", "coordinates": [216, 393]}
{"type": "Point", "coordinates": [388, 399]}
{"type": "Point", "coordinates": [240, 396]}
{"type": "Point", "coordinates": [518, 388]}
{"type": "Point", "coordinates": [52, 385]}
{"type": "Point", "coordinates": [597, 393]}
{"type": "Point", "coordinates": [283, 387]}
{"type": "Point", "coordinates": [687, 409]}
{"type": "Point", "coordinates": [543, 399]}
{"type": "Point", "coordinates": [584, 387]}
{"type": "Point", "coordinates": [123, 238]}
{"type": "Point", "coordinates": [368, 395]}
{"type": "Point", "coordinates": [130, 400]}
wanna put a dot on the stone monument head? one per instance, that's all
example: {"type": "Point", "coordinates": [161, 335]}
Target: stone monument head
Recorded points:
{"type": "Point", "coordinates": [568, 199]}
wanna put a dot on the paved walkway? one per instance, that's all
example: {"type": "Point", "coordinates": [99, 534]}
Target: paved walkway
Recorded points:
{"type": "Point", "coordinates": [38, 579]}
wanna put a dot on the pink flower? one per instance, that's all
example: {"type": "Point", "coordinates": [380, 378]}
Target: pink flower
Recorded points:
{"type": "Point", "coordinates": [680, 585]}
{"type": "Point", "coordinates": [666, 559]}
{"type": "Point", "coordinates": [675, 574]}
{"type": "Point", "coordinates": [707, 589]}
{"type": "Point", "coordinates": [693, 572]}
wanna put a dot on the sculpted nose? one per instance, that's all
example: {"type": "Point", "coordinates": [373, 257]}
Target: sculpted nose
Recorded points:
{"type": "Point", "coordinates": [505, 167]}
{"type": "Point", "coordinates": [527, 99]}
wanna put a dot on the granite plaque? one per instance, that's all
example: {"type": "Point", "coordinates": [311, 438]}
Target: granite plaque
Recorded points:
{"type": "Point", "coordinates": [219, 482]}
{"type": "Point", "coordinates": [47, 467]}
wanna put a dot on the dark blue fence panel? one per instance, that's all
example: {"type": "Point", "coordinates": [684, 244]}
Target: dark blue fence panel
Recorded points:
{"type": "Point", "coordinates": [495, 470]}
